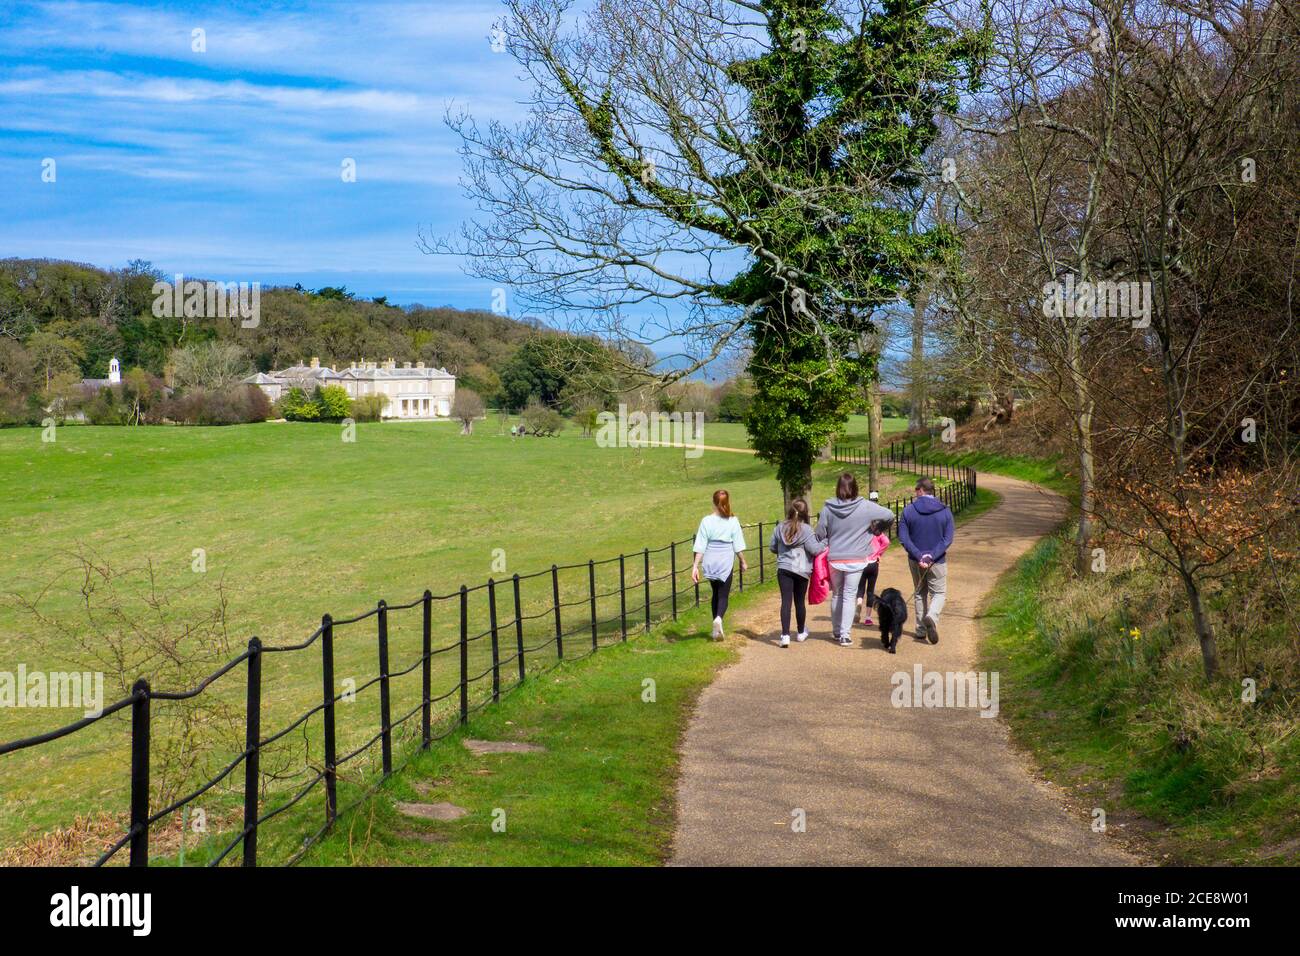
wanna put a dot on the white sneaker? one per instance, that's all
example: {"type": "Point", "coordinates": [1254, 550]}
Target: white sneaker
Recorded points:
{"type": "Point", "coordinates": [801, 636]}
{"type": "Point", "coordinates": [717, 629]}
{"type": "Point", "coordinates": [846, 641]}
{"type": "Point", "coordinates": [785, 641]}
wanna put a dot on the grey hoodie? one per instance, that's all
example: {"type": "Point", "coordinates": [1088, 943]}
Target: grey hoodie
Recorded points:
{"type": "Point", "coordinates": [797, 557]}
{"type": "Point", "coordinates": [846, 527]}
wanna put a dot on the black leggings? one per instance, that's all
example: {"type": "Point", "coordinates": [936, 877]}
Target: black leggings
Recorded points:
{"type": "Point", "coordinates": [793, 590]}
{"type": "Point", "coordinates": [721, 591]}
{"type": "Point", "coordinates": [867, 584]}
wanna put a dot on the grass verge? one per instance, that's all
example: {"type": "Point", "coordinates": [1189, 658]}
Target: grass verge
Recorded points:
{"type": "Point", "coordinates": [1100, 684]}
{"type": "Point", "coordinates": [601, 795]}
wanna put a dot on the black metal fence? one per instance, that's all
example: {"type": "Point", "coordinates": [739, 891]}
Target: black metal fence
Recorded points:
{"type": "Point", "coordinates": [959, 483]}
{"type": "Point", "coordinates": [553, 621]}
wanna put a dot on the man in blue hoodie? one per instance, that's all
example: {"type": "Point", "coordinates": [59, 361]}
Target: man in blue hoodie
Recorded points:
{"type": "Point", "coordinates": [926, 532]}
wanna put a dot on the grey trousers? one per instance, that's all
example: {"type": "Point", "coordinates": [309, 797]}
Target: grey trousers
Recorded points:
{"type": "Point", "coordinates": [930, 595]}
{"type": "Point", "coordinates": [845, 600]}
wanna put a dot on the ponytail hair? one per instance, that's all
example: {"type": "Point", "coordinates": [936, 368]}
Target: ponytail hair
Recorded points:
{"type": "Point", "coordinates": [796, 513]}
{"type": "Point", "coordinates": [722, 502]}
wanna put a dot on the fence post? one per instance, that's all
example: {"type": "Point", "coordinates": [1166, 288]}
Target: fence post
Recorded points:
{"type": "Point", "coordinates": [496, 644]}
{"type": "Point", "coordinates": [140, 773]}
{"type": "Point", "coordinates": [385, 713]}
{"type": "Point", "coordinates": [519, 630]}
{"type": "Point", "coordinates": [464, 654]}
{"type": "Point", "coordinates": [672, 556]}
{"type": "Point", "coordinates": [426, 716]}
{"type": "Point", "coordinates": [697, 583]}
{"type": "Point", "coordinates": [252, 750]}
{"type": "Point", "coordinates": [555, 594]}
{"type": "Point", "coordinates": [646, 556]}
{"type": "Point", "coordinates": [622, 595]}
{"type": "Point", "coordinates": [327, 696]}
{"type": "Point", "coordinates": [591, 593]}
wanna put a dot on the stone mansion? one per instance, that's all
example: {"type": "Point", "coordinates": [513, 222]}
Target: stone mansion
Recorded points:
{"type": "Point", "coordinates": [413, 392]}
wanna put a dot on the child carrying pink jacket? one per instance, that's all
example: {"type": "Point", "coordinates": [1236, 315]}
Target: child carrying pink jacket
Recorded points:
{"type": "Point", "coordinates": [867, 586]}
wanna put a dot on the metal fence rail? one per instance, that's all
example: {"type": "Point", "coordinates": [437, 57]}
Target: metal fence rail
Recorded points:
{"type": "Point", "coordinates": [638, 607]}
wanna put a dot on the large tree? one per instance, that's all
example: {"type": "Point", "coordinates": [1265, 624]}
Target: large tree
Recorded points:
{"type": "Point", "coordinates": [703, 174]}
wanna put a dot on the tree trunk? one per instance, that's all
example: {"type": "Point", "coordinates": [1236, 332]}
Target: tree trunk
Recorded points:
{"type": "Point", "coordinates": [1083, 407]}
{"type": "Point", "coordinates": [876, 432]}
{"type": "Point", "coordinates": [916, 415]}
{"type": "Point", "coordinates": [1201, 623]}
{"type": "Point", "coordinates": [803, 491]}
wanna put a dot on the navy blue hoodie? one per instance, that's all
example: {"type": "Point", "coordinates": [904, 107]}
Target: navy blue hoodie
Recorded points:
{"type": "Point", "coordinates": [926, 528]}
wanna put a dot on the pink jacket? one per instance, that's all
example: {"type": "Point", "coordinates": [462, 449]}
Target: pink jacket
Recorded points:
{"type": "Point", "coordinates": [879, 544]}
{"type": "Point", "coordinates": [819, 582]}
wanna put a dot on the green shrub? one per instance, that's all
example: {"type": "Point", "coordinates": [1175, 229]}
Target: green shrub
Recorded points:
{"type": "Point", "coordinates": [542, 421]}
{"type": "Point", "coordinates": [369, 408]}
{"type": "Point", "coordinates": [297, 407]}
{"type": "Point", "coordinates": [334, 403]}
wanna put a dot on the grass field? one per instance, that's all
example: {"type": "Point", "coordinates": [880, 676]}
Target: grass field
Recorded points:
{"type": "Point", "coordinates": [294, 523]}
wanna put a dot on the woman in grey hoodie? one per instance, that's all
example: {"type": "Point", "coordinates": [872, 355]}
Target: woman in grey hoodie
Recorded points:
{"type": "Point", "coordinates": [794, 545]}
{"type": "Point", "coordinates": [845, 526]}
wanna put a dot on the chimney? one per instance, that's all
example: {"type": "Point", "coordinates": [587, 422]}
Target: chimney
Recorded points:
{"type": "Point", "coordinates": [419, 365]}
{"type": "Point", "coordinates": [315, 362]}
{"type": "Point", "coordinates": [406, 365]}
{"type": "Point", "coordinates": [353, 366]}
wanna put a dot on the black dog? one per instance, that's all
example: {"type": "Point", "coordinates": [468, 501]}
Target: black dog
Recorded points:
{"type": "Point", "coordinates": [893, 614]}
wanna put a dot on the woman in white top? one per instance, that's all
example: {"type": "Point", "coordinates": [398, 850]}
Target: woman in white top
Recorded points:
{"type": "Point", "coordinates": [717, 542]}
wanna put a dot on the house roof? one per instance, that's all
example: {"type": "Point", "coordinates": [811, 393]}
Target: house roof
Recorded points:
{"type": "Point", "coordinates": [306, 371]}
{"type": "Point", "coordinates": [374, 374]}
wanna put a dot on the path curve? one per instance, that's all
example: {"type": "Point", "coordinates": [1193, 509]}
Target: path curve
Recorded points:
{"type": "Point", "coordinates": [812, 728]}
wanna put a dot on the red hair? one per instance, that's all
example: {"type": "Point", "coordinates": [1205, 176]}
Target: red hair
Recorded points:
{"type": "Point", "coordinates": [722, 501]}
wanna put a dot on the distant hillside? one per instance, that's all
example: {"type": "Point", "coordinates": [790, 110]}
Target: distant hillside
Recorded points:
{"type": "Point", "coordinates": [98, 313]}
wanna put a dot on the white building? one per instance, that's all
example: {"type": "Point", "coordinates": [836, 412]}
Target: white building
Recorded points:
{"type": "Point", "coordinates": [414, 392]}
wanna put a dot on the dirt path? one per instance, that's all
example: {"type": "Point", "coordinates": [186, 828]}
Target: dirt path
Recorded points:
{"type": "Point", "coordinates": [812, 729]}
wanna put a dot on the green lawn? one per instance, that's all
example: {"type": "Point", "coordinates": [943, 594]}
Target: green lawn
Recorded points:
{"type": "Point", "coordinates": [295, 522]}
{"type": "Point", "coordinates": [298, 523]}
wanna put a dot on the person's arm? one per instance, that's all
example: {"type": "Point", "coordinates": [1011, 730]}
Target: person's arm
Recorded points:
{"type": "Point", "coordinates": [906, 538]}
{"type": "Point", "coordinates": [949, 529]}
{"type": "Point", "coordinates": [701, 538]}
{"type": "Point", "coordinates": [776, 534]}
{"type": "Point", "coordinates": [738, 543]}
{"type": "Point", "coordinates": [823, 531]}
{"type": "Point", "coordinates": [813, 544]}
{"type": "Point", "coordinates": [701, 542]}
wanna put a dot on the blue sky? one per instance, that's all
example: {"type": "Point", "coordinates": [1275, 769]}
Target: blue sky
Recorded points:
{"type": "Point", "coordinates": [227, 163]}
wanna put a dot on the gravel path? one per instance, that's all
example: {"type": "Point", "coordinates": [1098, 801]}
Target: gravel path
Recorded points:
{"type": "Point", "coordinates": [810, 733]}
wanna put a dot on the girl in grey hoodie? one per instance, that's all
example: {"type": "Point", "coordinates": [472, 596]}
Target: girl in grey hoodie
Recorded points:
{"type": "Point", "coordinates": [845, 525]}
{"type": "Point", "coordinates": [795, 545]}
